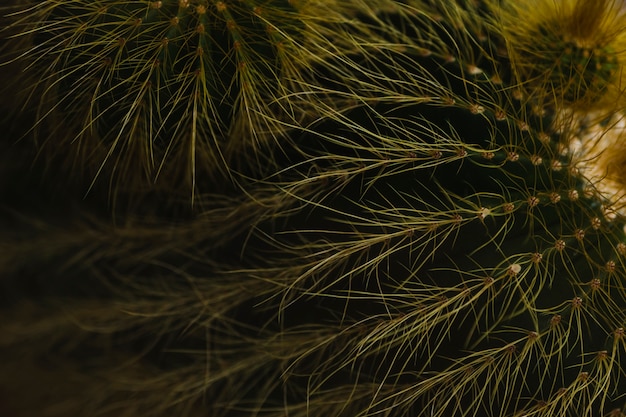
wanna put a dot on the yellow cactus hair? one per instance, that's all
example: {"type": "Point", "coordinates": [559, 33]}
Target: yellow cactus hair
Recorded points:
{"type": "Point", "coordinates": [567, 52]}
{"type": "Point", "coordinates": [570, 55]}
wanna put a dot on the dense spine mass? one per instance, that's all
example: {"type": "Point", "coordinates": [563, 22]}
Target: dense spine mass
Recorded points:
{"type": "Point", "coordinates": [464, 244]}
{"type": "Point", "coordinates": [445, 238]}
{"type": "Point", "coordinates": [148, 90]}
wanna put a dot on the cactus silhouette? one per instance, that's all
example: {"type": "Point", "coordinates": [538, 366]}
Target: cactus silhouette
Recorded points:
{"type": "Point", "coordinates": [449, 241]}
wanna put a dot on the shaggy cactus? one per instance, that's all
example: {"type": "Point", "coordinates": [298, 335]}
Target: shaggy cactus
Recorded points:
{"type": "Point", "coordinates": [567, 49]}
{"type": "Point", "coordinates": [147, 89]}
{"type": "Point", "coordinates": [450, 241]}
{"type": "Point", "coordinates": [474, 262]}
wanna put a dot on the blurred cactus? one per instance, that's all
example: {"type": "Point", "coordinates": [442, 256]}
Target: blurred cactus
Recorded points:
{"type": "Point", "coordinates": [448, 239]}
{"type": "Point", "coordinates": [567, 50]}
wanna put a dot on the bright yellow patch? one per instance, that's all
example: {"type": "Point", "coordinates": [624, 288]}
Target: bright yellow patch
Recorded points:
{"type": "Point", "coordinates": [566, 52]}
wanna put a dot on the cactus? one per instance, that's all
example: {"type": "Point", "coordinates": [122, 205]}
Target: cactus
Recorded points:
{"type": "Point", "coordinates": [145, 91]}
{"type": "Point", "coordinates": [566, 49]}
{"type": "Point", "coordinates": [468, 244]}
{"type": "Point", "coordinates": [449, 241]}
